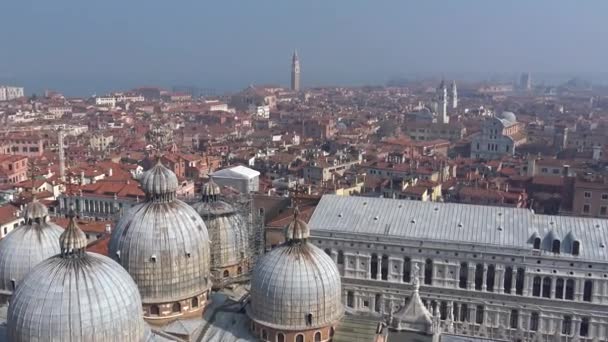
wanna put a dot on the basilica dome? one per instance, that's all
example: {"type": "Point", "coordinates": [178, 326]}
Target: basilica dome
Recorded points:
{"type": "Point", "coordinates": [229, 234]}
{"type": "Point", "coordinates": [76, 296]}
{"type": "Point", "coordinates": [295, 289]}
{"type": "Point", "coordinates": [26, 246]}
{"type": "Point", "coordinates": [164, 245]}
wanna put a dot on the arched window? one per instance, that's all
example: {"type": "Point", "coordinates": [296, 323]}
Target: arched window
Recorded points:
{"type": "Point", "coordinates": [559, 288]}
{"type": "Point", "coordinates": [239, 270]}
{"type": "Point", "coordinates": [464, 313]}
{"type": "Point", "coordinates": [428, 272]}
{"type": "Point", "coordinates": [587, 290]}
{"type": "Point", "coordinates": [479, 314]}
{"type": "Point", "coordinates": [300, 338]}
{"type": "Point", "coordinates": [308, 319]}
{"type": "Point", "coordinates": [374, 266]}
{"type": "Point", "coordinates": [318, 336]}
{"type": "Point", "coordinates": [514, 319]}
{"type": "Point", "coordinates": [13, 284]}
{"type": "Point", "coordinates": [264, 335]}
{"type": "Point", "coordinates": [407, 267]}
{"type": "Point", "coordinates": [195, 302]}
{"type": "Point", "coordinates": [536, 287]}
{"type": "Point", "coordinates": [556, 246]}
{"type": "Point", "coordinates": [350, 299]}
{"type": "Point", "coordinates": [328, 251]}
{"type": "Point", "coordinates": [490, 278]}
{"type": "Point", "coordinates": [154, 310]}
{"type": "Point", "coordinates": [176, 307]}
{"type": "Point", "coordinates": [576, 247]}
{"type": "Point", "coordinates": [464, 275]}
{"type": "Point", "coordinates": [443, 310]}
{"type": "Point", "coordinates": [534, 318]}
{"type": "Point", "coordinates": [226, 273]}
{"type": "Point", "coordinates": [280, 337]}
{"type": "Point", "coordinates": [570, 289]}
{"type": "Point", "coordinates": [567, 325]}
{"type": "Point", "coordinates": [537, 243]}
{"type": "Point", "coordinates": [584, 327]}
{"type": "Point", "coordinates": [378, 302]}
{"type": "Point", "coordinates": [508, 281]}
{"type": "Point", "coordinates": [384, 267]}
{"type": "Point", "coordinates": [478, 277]}
{"type": "Point", "coordinates": [547, 287]}
{"type": "Point", "coordinates": [519, 281]}
{"type": "Point", "coordinates": [340, 258]}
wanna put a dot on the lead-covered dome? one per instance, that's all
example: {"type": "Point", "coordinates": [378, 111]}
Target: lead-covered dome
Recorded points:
{"type": "Point", "coordinates": [164, 245]}
{"type": "Point", "coordinates": [295, 288]}
{"type": "Point", "coordinates": [76, 296]}
{"type": "Point", "coordinates": [229, 234]}
{"type": "Point", "coordinates": [159, 182]}
{"type": "Point", "coordinates": [508, 116]}
{"type": "Point", "coordinates": [26, 246]}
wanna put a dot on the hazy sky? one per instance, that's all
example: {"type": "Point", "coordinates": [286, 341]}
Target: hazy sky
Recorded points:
{"type": "Point", "coordinates": [82, 46]}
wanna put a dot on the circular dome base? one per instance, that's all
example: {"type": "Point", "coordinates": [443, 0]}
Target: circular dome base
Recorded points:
{"type": "Point", "coordinates": [270, 334]}
{"type": "Point", "coordinates": [159, 314]}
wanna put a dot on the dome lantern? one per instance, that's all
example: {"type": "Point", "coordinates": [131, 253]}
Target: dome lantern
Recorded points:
{"type": "Point", "coordinates": [159, 183]}
{"type": "Point", "coordinates": [73, 240]}
{"type": "Point", "coordinates": [210, 191]}
{"type": "Point", "coordinates": [296, 231]}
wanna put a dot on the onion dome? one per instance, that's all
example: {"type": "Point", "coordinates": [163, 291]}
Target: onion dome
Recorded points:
{"type": "Point", "coordinates": [26, 246]}
{"type": "Point", "coordinates": [228, 232]}
{"type": "Point", "coordinates": [295, 288]}
{"type": "Point", "coordinates": [164, 245]}
{"type": "Point", "coordinates": [159, 183]}
{"type": "Point", "coordinates": [76, 296]}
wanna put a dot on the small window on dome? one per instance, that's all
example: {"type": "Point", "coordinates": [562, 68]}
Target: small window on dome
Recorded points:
{"type": "Point", "coordinates": [226, 273]}
{"type": "Point", "coordinates": [537, 243]}
{"type": "Point", "coordinates": [13, 284]}
{"type": "Point", "coordinates": [188, 255]}
{"type": "Point", "coordinates": [154, 311]}
{"type": "Point", "coordinates": [309, 319]}
{"type": "Point", "coordinates": [153, 258]}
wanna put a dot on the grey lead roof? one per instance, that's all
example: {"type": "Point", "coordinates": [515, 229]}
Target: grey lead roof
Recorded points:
{"type": "Point", "coordinates": [462, 223]}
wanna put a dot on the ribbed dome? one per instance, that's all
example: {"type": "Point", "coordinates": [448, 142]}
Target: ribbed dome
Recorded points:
{"type": "Point", "coordinates": [26, 246]}
{"type": "Point", "coordinates": [210, 189]}
{"type": "Point", "coordinates": [164, 245]}
{"type": "Point", "coordinates": [296, 229]}
{"type": "Point", "coordinates": [227, 230]}
{"type": "Point", "coordinates": [35, 210]}
{"type": "Point", "coordinates": [293, 281]}
{"type": "Point", "coordinates": [159, 183]}
{"type": "Point", "coordinates": [77, 296]}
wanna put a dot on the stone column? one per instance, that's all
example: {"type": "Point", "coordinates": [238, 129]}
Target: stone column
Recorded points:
{"type": "Point", "coordinates": [553, 285]}
{"type": "Point", "coordinates": [471, 278]}
{"type": "Point", "coordinates": [513, 280]}
{"type": "Point", "coordinates": [484, 279]}
{"type": "Point", "coordinates": [578, 290]}
{"type": "Point", "coordinates": [499, 281]}
{"type": "Point", "coordinates": [526, 289]}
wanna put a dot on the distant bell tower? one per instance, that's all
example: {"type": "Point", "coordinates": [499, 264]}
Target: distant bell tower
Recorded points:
{"type": "Point", "coordinates": [295, 72]}
{"type": "Point", "coordinates": [454, 95]}
{"type": "Point", "coordinates": [442, 94]}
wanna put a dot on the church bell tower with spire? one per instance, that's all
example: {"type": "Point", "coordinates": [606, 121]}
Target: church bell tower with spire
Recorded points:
{"type": "Point", "coordinates": [295, 72]}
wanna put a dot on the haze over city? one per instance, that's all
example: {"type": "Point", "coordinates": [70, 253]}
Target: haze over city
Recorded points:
{"type": "Point", "coordinates": [311, 171]}
{"type": "Point", "coordinates": [83, 48]}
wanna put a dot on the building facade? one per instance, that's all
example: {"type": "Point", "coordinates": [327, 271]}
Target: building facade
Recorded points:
{"type": "Point", "coordinates": [8, 93]}
{"type": "Point", "coordinates": [499, 137]}
{"type": "Point", "coordinates": [498, 271]}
